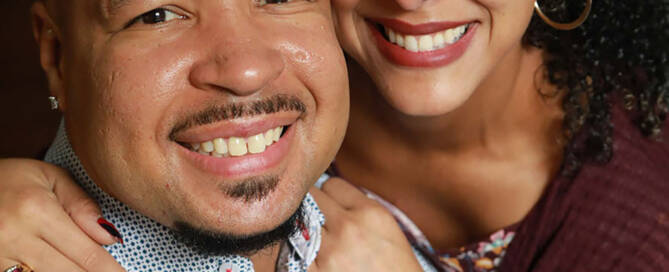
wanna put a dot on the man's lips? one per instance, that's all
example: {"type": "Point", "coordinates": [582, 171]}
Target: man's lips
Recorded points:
{"type": "Point", "coordinates": [240, 140]}
{"type": "Point", "coordinates": [240, 128]}
{"type": "Point", "coordinates": [248, 165]}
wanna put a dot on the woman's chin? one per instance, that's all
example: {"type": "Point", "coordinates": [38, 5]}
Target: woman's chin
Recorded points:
{"type": "Point", "coordinates": [426, 104]}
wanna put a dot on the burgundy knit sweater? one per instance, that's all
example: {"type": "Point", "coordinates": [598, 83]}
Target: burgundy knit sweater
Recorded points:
{"type": "Point", "coordinates": [611, 217]}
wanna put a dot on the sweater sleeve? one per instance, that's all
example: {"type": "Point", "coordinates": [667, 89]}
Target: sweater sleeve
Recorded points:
{"type": "Point", "coordinates": [611, 217]}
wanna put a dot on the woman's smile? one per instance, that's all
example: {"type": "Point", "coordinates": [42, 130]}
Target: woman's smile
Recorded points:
{"type": "Point", "coordinates": [423, 45]}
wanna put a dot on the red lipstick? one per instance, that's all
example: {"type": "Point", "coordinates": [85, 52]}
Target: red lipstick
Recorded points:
{"type": "Point", "coordinates": [435, 58]}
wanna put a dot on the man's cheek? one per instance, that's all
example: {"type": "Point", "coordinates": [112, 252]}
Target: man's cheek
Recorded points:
{"type": "Point", "coordinates": [314, 57]}
{"type": "Point", "coordinates": [303, 60]}
{"type": "Point", "coordinates": [130, 94]}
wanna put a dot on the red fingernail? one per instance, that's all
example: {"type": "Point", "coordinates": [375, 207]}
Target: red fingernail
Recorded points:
{"type": "Point", "coordinates": [109, 227]}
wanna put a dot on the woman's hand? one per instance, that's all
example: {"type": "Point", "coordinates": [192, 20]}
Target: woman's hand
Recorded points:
{"type": "Point", "coordinates": [359, 234]}
{"type": "Point", "coordinates": [41, 212]}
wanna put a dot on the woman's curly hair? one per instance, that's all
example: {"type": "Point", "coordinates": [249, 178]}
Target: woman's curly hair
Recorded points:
{"type": "Point", "coordinates": [618, 54]}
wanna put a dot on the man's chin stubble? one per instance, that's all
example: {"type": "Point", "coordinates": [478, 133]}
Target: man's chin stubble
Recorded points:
{"type": "Point", "coordinates": [219, 243]}
{"type": "Point", "coordinates": [252, 189]}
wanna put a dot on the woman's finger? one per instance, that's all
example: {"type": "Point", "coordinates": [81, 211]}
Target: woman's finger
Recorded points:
{"type": "Point", "coordinates": [39, 256]}
{"type": "Point", "coordinates": [78, 205]}
{"type": "Point", "coordinates": [331, 209]}
{"type": "Point", "coordinates": [5, 263]}
{"type": "Point", "coordinates": [328, 206]}
{"type": "Point", "coordinates": [70, 241]}
{"type": "Point", "coordinates": [322, 254]}
{"type": "Point", "coordinates": [30, 211]}
{"type": "Point", "coordinates": [347, 195]}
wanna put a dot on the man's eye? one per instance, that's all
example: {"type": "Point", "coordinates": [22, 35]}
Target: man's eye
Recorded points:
{"type": "Point", "coordinates": [156, 16]}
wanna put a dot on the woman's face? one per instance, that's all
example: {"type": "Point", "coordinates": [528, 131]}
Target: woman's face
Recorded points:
{"type": "Point", "coordinates": [427, 57]}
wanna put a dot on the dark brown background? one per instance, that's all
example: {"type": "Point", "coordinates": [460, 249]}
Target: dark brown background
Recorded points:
{"type": "Point", "coordinates": [27, 124]}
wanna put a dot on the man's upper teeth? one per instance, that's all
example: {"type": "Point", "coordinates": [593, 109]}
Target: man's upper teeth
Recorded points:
{"type": "Point", "coordinates": [237, 146]}
{"type": "Point", "coordinates": [427, 42]}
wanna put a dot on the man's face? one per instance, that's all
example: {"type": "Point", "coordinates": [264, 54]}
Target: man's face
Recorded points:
{"type": "Point", "coordinates": [151, 86]}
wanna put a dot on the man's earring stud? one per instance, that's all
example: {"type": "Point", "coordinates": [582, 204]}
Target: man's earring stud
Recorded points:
{"type": "Point", "coordinates": [54, 102]}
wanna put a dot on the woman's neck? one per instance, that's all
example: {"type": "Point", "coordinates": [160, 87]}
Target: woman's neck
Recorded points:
{"type": "Point", "coordinates": [503, 141]}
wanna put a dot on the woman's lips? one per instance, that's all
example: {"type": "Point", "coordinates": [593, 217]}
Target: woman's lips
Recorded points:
{"type": "Point", "coordinates": [421, 29]}
{"type": "Point", "coordinates": [445, 43]}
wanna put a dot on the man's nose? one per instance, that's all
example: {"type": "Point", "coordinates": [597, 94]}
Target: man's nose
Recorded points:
{"type": "Point", "coordinates": [238, 65]}
{"type": "Point", "coordinates": [410, 4]}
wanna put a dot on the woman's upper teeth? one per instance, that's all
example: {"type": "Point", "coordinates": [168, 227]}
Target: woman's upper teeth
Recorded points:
{"type": "Point", "coordinates": [238, 146]}
{"type": "Point", "coordinates": [427, 42]}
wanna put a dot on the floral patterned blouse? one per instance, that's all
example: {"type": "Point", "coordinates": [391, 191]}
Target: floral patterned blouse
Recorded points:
{"type": "Point", "coordinates": [484, 256]}
{"type": "Point", "coordinates": [480, 257]}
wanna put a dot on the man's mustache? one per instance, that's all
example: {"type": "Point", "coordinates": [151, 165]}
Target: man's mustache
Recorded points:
{"type": "Point", "coordinates": [216, 113]}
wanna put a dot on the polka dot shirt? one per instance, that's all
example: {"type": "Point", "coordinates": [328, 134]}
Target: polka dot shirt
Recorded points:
{"type": "Point", "coordinates": [149, 246]}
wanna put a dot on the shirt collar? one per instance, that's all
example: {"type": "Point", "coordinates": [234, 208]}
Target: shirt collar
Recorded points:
{"type": "Point", "coordinates": [149, 246]}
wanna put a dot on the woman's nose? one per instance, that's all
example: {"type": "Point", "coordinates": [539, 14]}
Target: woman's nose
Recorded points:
{"type": "Point", "coordinates": [410, 4]}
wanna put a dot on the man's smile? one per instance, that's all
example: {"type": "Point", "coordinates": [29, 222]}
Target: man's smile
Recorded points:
{"type": "Point", "coordinates": [238, 146]}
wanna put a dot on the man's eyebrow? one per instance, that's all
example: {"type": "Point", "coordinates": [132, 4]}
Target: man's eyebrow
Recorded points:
{"type": "Point", "coordinates": [110, 6]}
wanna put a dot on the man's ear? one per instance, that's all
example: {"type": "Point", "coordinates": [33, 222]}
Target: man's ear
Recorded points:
{"type": "Point", "coordinates": [48, 39]}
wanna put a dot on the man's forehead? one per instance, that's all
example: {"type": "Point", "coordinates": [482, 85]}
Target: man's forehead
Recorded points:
{"type": "Point", "coordinates": [105, 7]}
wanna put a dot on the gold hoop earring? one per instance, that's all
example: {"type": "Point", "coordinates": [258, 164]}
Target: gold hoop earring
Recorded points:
{"type": "Point", "coordinates": [565, 26]}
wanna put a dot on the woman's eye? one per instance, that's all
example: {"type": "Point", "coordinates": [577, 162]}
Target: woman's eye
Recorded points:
{"type": "Point", "coordinates": [156, 16]}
